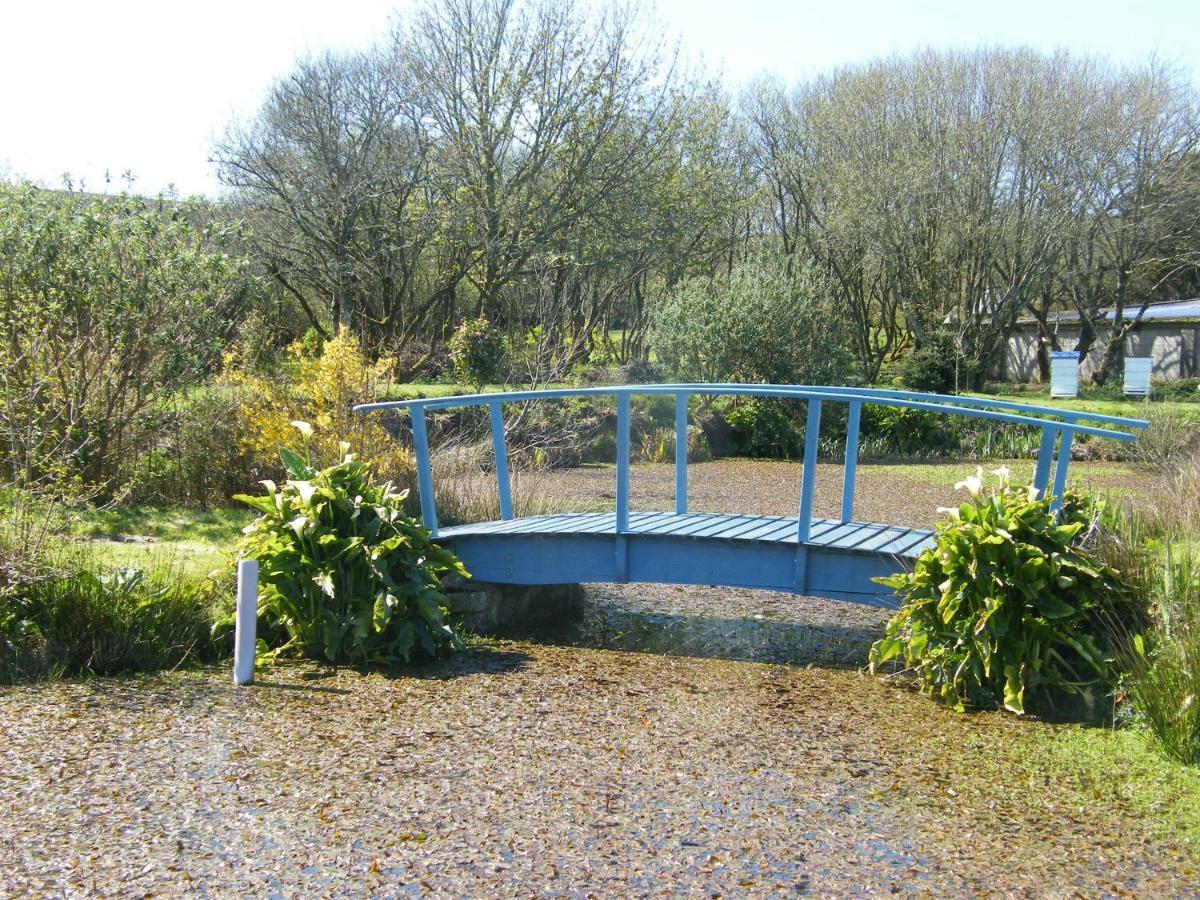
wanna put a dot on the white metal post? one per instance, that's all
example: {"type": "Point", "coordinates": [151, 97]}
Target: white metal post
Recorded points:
{"type": "Point", "coordinates": [247, 621]}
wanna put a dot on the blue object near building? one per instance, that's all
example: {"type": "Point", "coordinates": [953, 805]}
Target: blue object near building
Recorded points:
{"type": "Point", "coordinates": [1064, 373]}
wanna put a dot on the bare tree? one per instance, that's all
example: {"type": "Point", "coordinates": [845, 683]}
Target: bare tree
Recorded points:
{"type": "Point", "coordinates": [332, 168]}
{"type": "Point", "coordinates": [538, 114]}
{"type": "Point", "coordinates": [953, 191]}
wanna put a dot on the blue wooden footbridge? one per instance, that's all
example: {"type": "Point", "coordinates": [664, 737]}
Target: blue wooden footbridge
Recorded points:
{"type": "Point", "coordinates": [836, 558]}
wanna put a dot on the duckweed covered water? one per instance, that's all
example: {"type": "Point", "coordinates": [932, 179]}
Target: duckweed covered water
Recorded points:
{"type": "Point", "coordinates": [531, 768]}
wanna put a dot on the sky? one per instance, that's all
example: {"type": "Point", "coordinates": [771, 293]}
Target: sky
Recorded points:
{"type": "Point", "coordinates": [112, 86]}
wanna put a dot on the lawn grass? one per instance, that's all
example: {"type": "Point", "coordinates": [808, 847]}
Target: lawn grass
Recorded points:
{"type": "Point", "coordinates": [189, 559]}
{"type": "Point", "coordinates": [422, 390]}
{"type": "Point", "coordinates": [190, 541]}
{"type": "Point", "coordinates": [1134, 408]}
{"type": "Point", "coordinates": [166, 523]}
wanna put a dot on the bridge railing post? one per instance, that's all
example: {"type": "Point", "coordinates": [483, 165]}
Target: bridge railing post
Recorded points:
{"type": "Point", "coordinates": [622, 462]}
{"type": "Point", "coordinates": [1060, 469]}
{"type": "Point", "coordinates": [424, 471]}
{"type": "Point", "coordinates": [812, 438]}
{"type": "Point", "coordinates": [1045, 458]}
{"type": "Point", "coordinates": [681, 453]}
{"type": "Point", "coordinates": [851, 468]}
{"type": "Point", "coordinates": [500, 452]}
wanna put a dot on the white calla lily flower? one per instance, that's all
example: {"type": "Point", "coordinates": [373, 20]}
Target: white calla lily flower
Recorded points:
{"type": "Point", "coordinates": [972, 483]}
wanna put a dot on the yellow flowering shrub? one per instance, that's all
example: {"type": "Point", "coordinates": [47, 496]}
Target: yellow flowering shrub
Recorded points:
{"type": "Point", "coordinates": [320, 390]}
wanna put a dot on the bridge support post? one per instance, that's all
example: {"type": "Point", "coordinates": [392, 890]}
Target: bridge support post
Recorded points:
{"type": "Point", "coordinates": [1041, 474]}
{"type": "Point", "coordinates": [622, 462]}
{"type": "Point", "coordinates": [851, 467]}
{"type": "Point", "coordinates": [424, 472]}
{"type": "Point", "coordinates": [1060, 470]}
{"type": "Point", "coordinates": [800, 582]}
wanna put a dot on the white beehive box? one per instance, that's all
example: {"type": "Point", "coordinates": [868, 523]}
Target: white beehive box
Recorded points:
{"type": "Point", "coordinates": [1064, 373]}
{"type": "Point", "coordinates": [1137, 375]}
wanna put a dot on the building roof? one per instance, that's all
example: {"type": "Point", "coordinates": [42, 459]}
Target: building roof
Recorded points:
{"type": "Point", "coordinates": [1179, 310]}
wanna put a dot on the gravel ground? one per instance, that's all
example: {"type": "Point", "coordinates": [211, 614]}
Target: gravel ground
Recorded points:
{"type": "Point", "coordinates": [745, 754]}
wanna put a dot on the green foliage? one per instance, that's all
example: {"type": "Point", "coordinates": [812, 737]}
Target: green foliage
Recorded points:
{"type": "Point", "coordinates": [476, 352]}
{"type": "Point", "coordinates": [657, 445]}
{"type": "Point", "coordinates": [763, 427]}
{"type": "Point", "coordinates": [1165, 676]}
{"type": "Point", "coordinates": [762, 324]}
{"type": "Point", "coordinates": [71, 616]}
{"type": "Point", "coordinates": [344, 573]}
{"type": "Point", "coordinates": [108, 305]}
{"type": "Point", "coordinates": [1009, 607]}
{"type": "Point", "coordinates": [312, 344]}
{"type": "Point", "coordinates": [932, 366]}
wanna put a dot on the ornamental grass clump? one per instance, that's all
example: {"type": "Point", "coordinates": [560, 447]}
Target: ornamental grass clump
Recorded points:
{"type": "Point", "coordinates": [1010, 606]}
{"type": "Point", "coordinates": [1164, 682]}
{"type": "Point", "coordinates": [345, 576]}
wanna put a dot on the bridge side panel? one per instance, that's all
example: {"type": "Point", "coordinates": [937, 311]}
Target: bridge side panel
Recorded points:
{"type": "Point", "coordinates": [588, 558]}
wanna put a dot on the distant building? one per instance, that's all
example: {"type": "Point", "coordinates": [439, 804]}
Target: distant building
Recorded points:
{"type": "Point", "coordinates": [1169, 333]}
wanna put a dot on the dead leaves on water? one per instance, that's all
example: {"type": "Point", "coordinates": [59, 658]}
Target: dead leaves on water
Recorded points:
{"type": "Point", "coordinates": [527, 769]}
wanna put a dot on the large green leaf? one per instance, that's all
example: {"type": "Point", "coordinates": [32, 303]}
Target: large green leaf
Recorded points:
{"type": "Point", "coordinates": [997, 611]}
{"type": "Point", "coordinates": [344, 572]}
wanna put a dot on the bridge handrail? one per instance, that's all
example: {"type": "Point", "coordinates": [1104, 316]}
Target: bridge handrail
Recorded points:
{"type": "Point", "coordinates": [1069, 415]}
{"type": "Point", "coordinates": [1057, 432]}
{"type": "Point", "coordinates": [958, 405]}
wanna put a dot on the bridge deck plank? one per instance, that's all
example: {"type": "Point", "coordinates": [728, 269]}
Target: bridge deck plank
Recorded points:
{"type": "Point", "coordinates": [867, 537]}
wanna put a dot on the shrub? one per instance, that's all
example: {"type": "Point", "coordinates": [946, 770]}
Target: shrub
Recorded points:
{"type": "Point", "coordinates": [898, 431]}
{"type": "Point", "coordinates": [108, 305]}
{"type": "Point", "coordinates": [199, 457]}
{"type": "Point", "coordinates": [1186, 390]}
{"type": "Point", "coordinates": [1009, 606]}
{"type": "Point", "coordinates": [762, 324]}
{"type": "Point", "coordinates": [638, 371]}
{"type": "Point", "coordinates": [322, 391]}
{"type": "Point", "coordinates": [476, 352]}
{"type": "Point", "coordinates": [762, 427]}
{"type": "Point", "coordinates": [935, 366]}
{"type": "Point", "coordinates": [344, 573]}
{"type": "Point", "coordinates": [566, 432]}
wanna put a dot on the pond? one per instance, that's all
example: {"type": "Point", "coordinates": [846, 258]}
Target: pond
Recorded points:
{"type": "Point", "coordinates": [685, 740]}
